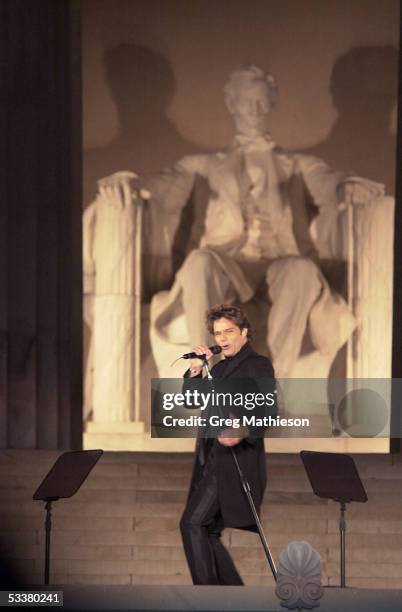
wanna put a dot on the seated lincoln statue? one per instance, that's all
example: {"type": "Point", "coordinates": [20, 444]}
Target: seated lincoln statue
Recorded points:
{"type": "Point", "coordinates": [255, 232]}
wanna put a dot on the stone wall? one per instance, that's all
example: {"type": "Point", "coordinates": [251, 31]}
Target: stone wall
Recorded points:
{"type": "Point", "coordinates": [122, 526]}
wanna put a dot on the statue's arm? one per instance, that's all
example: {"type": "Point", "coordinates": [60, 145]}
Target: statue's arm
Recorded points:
{"type": "Point", "coordinates": [322, 181]}
{"type": "Point", "coordinates": [168, 188]}
{"type": "Point", "coordinates": [171, 188]}
{"type": "Point", "coordinates": [330, 187]}
{"type": "Point", "coordinates": [333, 191]}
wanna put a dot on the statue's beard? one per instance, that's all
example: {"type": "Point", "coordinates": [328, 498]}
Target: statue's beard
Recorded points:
{"type": "Point", "coordinates": [251, 128]}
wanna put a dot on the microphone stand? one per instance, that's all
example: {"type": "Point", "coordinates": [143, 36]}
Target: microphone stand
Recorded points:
{"type": "Point", "coordinates": [246, 488]}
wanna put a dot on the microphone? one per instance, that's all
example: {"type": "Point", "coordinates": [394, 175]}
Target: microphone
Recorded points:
{"type": "Point", "coordinates": [215, 350]}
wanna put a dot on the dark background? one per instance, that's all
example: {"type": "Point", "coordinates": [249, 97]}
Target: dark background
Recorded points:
{"type": "Point", "coordinates": [40, 225]}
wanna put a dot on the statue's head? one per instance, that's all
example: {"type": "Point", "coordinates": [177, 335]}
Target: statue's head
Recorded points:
{"type": "Point", "coordinates": [250, 94]}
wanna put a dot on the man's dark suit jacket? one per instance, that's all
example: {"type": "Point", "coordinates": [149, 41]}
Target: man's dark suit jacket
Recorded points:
{"type": "Point", "coordinates": [246, 364]}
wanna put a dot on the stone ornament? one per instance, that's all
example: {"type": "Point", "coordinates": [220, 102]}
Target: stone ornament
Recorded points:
{"type": "Point", "coordinates": [299, 577]}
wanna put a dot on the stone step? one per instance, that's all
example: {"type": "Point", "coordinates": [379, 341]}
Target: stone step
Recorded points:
{"type": "Point", "coordinates": [115, 567]}
{"type": "Point", "coordinates": [129, 428]}
{"type": "Point", "coordinates": [137, 442]}
{"type": "Point", "coordinates": [366, 570]}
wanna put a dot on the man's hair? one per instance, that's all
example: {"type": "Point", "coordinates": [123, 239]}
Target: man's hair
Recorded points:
{"type": "Point", "coordinates": [246, 76]}
{"type": "Point", "coordinates": [232, 313]}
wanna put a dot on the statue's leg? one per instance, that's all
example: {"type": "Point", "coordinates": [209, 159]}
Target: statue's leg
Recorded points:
{"type": "Point", "coordinates": [204, 284]}
{"type": "Point", "coordinates": [294, 284]}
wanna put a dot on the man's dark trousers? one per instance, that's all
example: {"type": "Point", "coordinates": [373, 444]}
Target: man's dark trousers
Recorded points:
{"type": "Point", "coordinates": [201, 526]}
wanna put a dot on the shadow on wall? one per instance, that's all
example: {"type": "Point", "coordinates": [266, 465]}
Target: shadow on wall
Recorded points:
{"type": "Point", "coordinates": [364, 86]}
{"type": "Point", "coordinates": [142, 84]}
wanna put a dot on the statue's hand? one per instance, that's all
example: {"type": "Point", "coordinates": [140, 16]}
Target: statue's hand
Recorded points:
{"type": "Point", "coordinates": [121, 188]}
{"type": "Point", "coordinates": [359, 191]}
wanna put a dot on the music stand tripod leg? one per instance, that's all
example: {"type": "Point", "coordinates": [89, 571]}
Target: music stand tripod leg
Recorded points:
{"type": "Point", "coordinates": [342, 532]}
{"type": "Point", "coordinates": [48, 529]}
{"type": "Point", "coordinates": [247, 490]}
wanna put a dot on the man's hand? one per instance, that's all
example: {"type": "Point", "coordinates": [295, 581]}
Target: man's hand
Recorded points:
{"type": "Point", "coordinates": [196, 365]}
{"type": "Point", "coordinates": [229, 437]}
{"type": "Point", "coordinates": [232, 436]}
{"type": "Point", "coordinates": [121, 188]}
{"type": "Point", "coordinates": [359, 191]}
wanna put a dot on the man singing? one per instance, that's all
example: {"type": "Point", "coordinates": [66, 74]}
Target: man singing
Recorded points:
{"type": "Point", "coordinates": [216, 499]}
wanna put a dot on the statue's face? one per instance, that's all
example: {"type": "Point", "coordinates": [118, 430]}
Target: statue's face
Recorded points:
{"type": "Point", "coordinates": [250, 107]}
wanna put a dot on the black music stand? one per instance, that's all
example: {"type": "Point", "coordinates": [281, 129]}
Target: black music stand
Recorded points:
{"type": "Point", "coordinates": [335, 476]}
{"type": "Point", "coordinates": [63, 480]}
